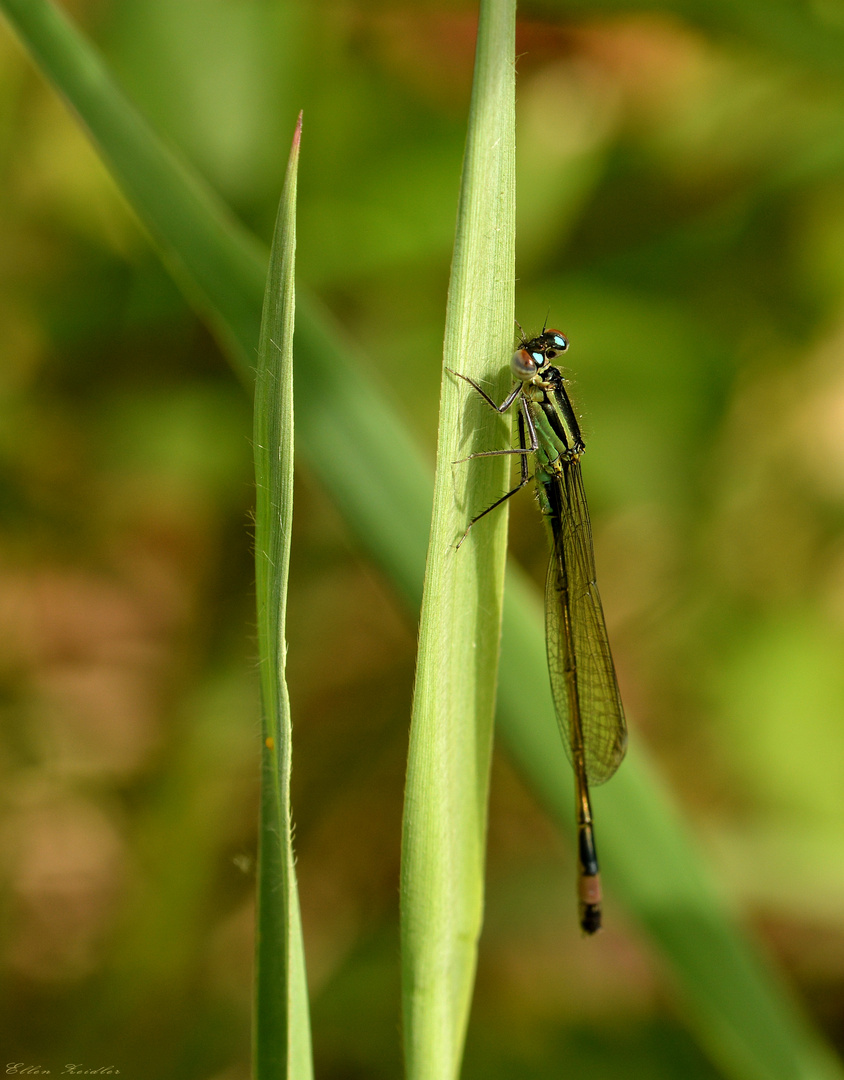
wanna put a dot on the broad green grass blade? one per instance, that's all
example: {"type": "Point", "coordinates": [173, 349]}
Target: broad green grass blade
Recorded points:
{"type": "Point", "coordinates": [451, 729]}
{"type": "Point", "coordinates": [733, 1001]}
{"type": "Point", "coordinates": [741, 1011]}
{"type": "Point", "coordinates": [282, 1040]}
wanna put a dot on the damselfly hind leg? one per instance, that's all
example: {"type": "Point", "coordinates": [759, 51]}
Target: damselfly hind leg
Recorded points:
{"type": "Point", "coordinates": [525, 475]}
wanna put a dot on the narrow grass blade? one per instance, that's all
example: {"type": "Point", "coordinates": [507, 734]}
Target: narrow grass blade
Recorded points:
{"type": "Point", "coordinates": [451, 729]}
{"type": "Point", "coordinates": [730, 998]}
{"type": "Point", "coordinates": [282, 1040]}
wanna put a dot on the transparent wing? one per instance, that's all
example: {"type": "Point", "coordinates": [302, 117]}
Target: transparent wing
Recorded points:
{"type": "Point", "coordinates": [579, 660]}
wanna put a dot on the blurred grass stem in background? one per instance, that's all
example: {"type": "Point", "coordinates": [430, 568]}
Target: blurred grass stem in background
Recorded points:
{"type": "Point", "coordinates": [736, 1006]}
{"type": "Point", "coordinates": [282, 1041]}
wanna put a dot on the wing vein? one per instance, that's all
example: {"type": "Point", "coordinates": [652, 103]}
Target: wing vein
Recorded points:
{"type": "Point", "coordinates": [580, 662]}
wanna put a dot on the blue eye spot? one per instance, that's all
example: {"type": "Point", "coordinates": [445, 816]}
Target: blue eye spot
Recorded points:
{"type": "Point", "coordinates": [539, 358]}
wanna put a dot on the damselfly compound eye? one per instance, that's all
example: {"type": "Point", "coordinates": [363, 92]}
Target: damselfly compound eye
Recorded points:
{"type": "Point", "coordinates": [524, 365]}
{"type": "Point", "coordinates": [557, 340]}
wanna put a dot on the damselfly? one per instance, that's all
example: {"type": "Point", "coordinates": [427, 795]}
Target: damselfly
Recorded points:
{"type": "Point", "coordinates": [580, 664]}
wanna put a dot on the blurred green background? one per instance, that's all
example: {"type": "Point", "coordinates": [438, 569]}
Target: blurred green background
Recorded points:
{"type": "Point", "coordinates": [681, 217]}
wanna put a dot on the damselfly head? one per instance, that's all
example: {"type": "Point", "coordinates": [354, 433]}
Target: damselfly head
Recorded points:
{"type": "Point", "coordinates": [532, 357]}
